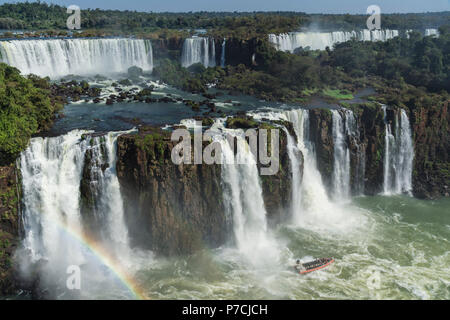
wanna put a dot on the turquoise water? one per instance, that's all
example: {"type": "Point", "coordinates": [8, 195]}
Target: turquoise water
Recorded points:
{"type": "Point", "coordinates": [392, 248]}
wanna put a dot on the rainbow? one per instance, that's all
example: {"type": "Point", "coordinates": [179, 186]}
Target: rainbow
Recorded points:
{"type": "Point", "coordinates": [107, 259]}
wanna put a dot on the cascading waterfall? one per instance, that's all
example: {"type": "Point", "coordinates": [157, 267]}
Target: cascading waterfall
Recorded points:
{"type": "Point", "coordinates": [341, 164]}
{"type": "Point", "coordinates": [296, 161]}
{"type": "Point", "coordinates": [321, 40]}
{"type": "Point", "coordinates": [59, 57]}
{"type": "Point", "coordinates": [244, 201]}
{"type": "Point", "coordinates": [222, 56]}
{"type": "Point", "coordinates": [310, 194]}
{"type": "Point", "coordinates": [398, 155]}
{"type": "Point", "coordinates": [354, 137]}
{"type": "Point", "coordinates": [198, 50]}
{"type": "Point", "coordinates": [52, 171]}
{"type": "Point", "coordinates": [104, 185]}
{"type": "Point", "coordinates": [315, 200]}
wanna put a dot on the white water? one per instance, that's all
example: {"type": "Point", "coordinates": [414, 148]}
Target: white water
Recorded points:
{"type": "Point", "coordinates": [59, 57]}
{"type": "Point", "coordinates": [53, 221]}
{"type": "Point", "coordinates": [353, 135]}
{"type": "Point", "coordinates": [198, 50]}
{"type": "Point", "coordinates": [321, 40]}
{"type": "Point", "coordinates": [296, 162]}
{"type": "Point", "coordinates": [314, 209]}
{"type": "Point", "coordinates": [398, 156]}
{"type": "Point", "coordinates": [222, 57]}
{"type": "Point", "coordinates": [244, 202]}
{"type": "Point", "coordinates": [341, 163]}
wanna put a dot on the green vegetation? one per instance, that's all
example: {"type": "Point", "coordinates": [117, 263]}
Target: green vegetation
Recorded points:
{"type": "Point", "coordinates": [25, 109]}
{"type": "Point", "coordinates": [337, 94]}
{"type": "Point", "coordinates": [153, 142]}
{"type": "Point", "coordinates": [95, 22]}
{"type": "Point", "coordinates": [242, 123]}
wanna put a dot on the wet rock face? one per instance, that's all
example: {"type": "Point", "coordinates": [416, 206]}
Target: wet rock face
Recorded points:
{"type": "Point", "coordinates": [372, 128]}
{"type": "Point", "coordinates": [239, 51]}
{"type": "Point", "coordinates": [167, 48]}
{"type": "Point", "coordinates": [178, 209]}
{"type": "Point", "coordinates": [368, 147]}
{"type": "Point", "coordinates": [431, 135]}
{"type": "Point", "coordinates": [277, 189]}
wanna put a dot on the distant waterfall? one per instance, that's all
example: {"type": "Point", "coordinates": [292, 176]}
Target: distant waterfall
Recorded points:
{"type": "Point", "coordinates": [398, 155]}
{"type": "Point", "coordinates": [52, 171]}
{"type": "Point", "coordinates": [198, 50]}
{"type": "Point", "coordinates": [321, 40]}
{"type": "Point", "coordinates": [222, 56]}
{"type": "Point", "coordinates": [341, 163]}
{"type": "Point", "coordinates": [243, 200]}
{"type": "Point", "coordinates": [59, 57]}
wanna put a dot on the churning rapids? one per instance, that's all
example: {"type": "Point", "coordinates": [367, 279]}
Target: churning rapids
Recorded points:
{"type": "Point", "coordinates": [386, 247]}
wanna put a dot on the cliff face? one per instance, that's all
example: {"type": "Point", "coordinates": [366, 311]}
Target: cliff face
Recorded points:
{"type": "Point", "coordinates": [431, 133]}
{"type": "Point", "coordinates": [366, 150]}
{"type": "Point", "coordinates": [9, 227]}
{"type": "Point", "coordinates": [176, 209]}
{"type": "Point", "coordinates": [277, 189]}
{"type": "Point", "coordinates": [169, 208]}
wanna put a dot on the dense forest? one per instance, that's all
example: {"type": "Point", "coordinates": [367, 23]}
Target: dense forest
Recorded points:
{"type": "Point", "coordinates": [42, 16]}
{"type": "Point", "coordinates": [25, 109]}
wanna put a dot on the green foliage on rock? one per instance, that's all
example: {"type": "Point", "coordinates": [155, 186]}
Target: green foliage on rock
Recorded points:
{"type": "Point", "coordinates": [25, 109]}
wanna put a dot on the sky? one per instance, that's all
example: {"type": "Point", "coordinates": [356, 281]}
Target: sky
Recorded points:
{"type": "Point", "coordinates": [309, 6]}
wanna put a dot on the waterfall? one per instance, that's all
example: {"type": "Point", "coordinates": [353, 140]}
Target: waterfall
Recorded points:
{"type": "Point", "coordinates": [198, 50]}
{"type": "Point", "coordinates": [243, 200]}
{"type": "Point", "coordinates": [52, 172]}
{"type": "Point", "coordinates": [59, 57]}
{"type": "Point", "coordinates": [317, 211]}
{"type": "Point", "coordinates": [341, 164]}
{"type": "Point", "coordinates": [432, 32]}
{"type": "Point", "coordinates": [222, 56]}
{"type": "Point", "coordinates": [312, 207]}
{"type": "Point", "coordinates": [354, 137]}
{"type": "Point", "coordinates": [321, 40]}
{"type": "Point", "coordinates": [310, 193]}
{"type": "Point", "coordinates": [398, 155]}
{"type": "Point", "coordinates": [295, 161]}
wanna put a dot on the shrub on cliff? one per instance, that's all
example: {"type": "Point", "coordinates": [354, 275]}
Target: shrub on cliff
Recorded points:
{"type": "Point", "coordinates": [25, 109]}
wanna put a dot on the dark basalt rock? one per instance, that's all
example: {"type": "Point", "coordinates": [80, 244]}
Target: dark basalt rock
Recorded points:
{"type": "Point", "coordinates": [431, 132]}
{"type": "Point", "coordinates": [9, 228]}
{"type": "Point", "coordinates": [177, 209]}
{"type": "Point", "coordinates": [320, 125]}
